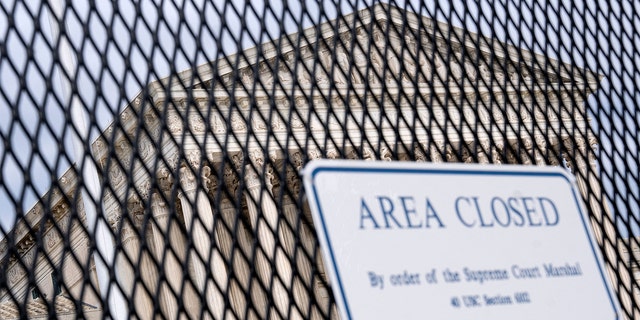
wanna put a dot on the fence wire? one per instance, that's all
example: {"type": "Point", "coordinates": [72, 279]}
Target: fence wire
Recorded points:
{"type": "Point", "coordinates": [150, 151]}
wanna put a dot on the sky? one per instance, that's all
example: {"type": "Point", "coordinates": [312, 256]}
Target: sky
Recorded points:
{"type": "Point", "coordinates": [594, 35]}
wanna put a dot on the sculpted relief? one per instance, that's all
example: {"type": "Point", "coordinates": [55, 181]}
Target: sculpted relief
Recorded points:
{"type": "Point", "coordinates": [361, 57]}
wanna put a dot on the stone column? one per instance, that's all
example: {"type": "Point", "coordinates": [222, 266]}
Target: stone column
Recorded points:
{"type": "Point", "coordinates": [581, 159]}
{"type": "Point", "coordinates": [147, 287]}
{"type": "Point", "coordinates": [293, 225]}
{"type": "Point", "coordinates": [228, 226]}
{"type": "Point", "coordinates": [131, 259]}
{"type": "Point", "coordinates": [236, 245]}
{"type": "Point", "coordinates": [263, 214]}
{"type": "Point", "coordinates": [172, 270]}
{"type": "Point", "coordinates": [169, 243]}
{"type": "Point", "coordinates": [204, 258]}
{"type": "Point", "coordinates": [316, 279]}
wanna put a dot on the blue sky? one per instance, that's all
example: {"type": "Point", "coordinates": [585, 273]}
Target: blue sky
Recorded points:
{"type": "Point", "coordinates": [592, 35]}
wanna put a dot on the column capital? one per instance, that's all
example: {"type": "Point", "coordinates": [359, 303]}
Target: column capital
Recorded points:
{"type": "Point", "coordinates": [226, 204]}
{"type": "Point", "coordinates": [434, 152]}
{"type": "Point", "coordinates": [386, 154]}
{"type": "Point", "coordinates": [127, 233]}
{"type": "Point", "coordinates": [158, 206]}
{"type": "Point", "coordinates": [579, 151]}
{"type": "Point", "coordinates": [332, 153]}
{"type": "Point", "coordinates": [579, 144]}
{"type": "Point", "coordinates": [483, 149]}
{"type": "Point", "coordinates": [466, 153]}
{"type": "Point", "coordinates": [419, 153]}
{"type": "Point", "coordinates": [314, 153]}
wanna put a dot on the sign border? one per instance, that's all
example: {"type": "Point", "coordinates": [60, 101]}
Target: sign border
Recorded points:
{"type": "Point", "coordinates": [318, 166]}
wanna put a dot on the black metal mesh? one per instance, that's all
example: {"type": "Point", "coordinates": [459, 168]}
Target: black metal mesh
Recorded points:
{"type": "Point", "coordinates": [150, 150]}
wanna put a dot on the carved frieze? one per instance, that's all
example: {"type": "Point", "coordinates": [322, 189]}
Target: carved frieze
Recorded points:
{"type": "Point", "coordinates": [419, 154]}
{"type": "Point", "coordinates": [296, 122]}
{"type": "Point", "coordinates": [386, 154]}
{"type": "Point", "coordinates": [28, 257]}
{"type": "Point", "coordinates": [238, 160]}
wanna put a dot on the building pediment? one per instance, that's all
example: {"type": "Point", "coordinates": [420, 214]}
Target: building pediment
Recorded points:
{"type": "Point", "coordinates": [377, 51]}
{"type": "Point", "coordinates": [375, 58]}
{"type": "Point", "coordinates": [354, 51]}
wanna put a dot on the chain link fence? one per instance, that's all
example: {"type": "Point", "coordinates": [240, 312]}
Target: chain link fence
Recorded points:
{"type": "Point", "coordinates": [150, 151]}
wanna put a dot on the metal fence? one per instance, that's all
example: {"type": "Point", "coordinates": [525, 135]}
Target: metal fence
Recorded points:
{"type": "Point", "coordinates": [150, 150]}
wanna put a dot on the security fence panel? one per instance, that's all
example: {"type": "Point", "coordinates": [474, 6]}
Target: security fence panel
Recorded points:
{"type": "Point", "coordinates": [150, 151]}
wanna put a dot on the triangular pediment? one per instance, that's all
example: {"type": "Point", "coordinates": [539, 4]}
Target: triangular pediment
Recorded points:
{"type": "Point", "coordinates": [383, 45]}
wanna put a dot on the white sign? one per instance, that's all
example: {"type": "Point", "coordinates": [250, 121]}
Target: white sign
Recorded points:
{"type": "Point", "coordinates": [417, 241]}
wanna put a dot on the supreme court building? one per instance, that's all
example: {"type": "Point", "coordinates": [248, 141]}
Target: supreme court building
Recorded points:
{"type": "Point", "coordinates": [201, 169]}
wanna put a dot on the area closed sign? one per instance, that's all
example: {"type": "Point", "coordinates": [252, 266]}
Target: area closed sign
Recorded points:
{"type": "Point", "coordinates": [417, 241]}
